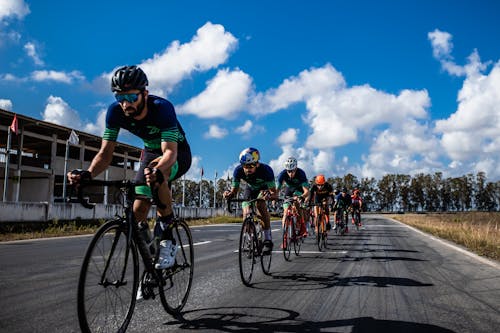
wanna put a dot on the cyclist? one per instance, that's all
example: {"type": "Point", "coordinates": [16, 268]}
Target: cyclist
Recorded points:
{"type": "Point", "coordinates": [260, 183]}
{"type": "Point", "coordinates": [356, 205]}
{"type": "Point", "coordinates": [166, 155]}
{"type": "Point", "coordinates": [320, 192]}
{"type": "Point", "coordinates": [297, 186]}
{"type": "Point", "coordinates": [342, 201]}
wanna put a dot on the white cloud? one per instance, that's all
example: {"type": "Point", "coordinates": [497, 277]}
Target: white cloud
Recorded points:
{"type": "Point", "coordinates": [288, 137]}
{"type": "Point", "coordinates": [216, 132]}
{"type": "Point", "coordinates": [245, 128]}
{"type": "Point", "coordinates": [99, 126]}
{"type": "Point", "coordinates": [314, 82]}
{"type": "Point", "coordinates": [59, 112]}
{"type": "Point", "coordinates": [471, 134]}
{"type": "Point", "coordinates": [30, 49]}
{"type": "Point", "coordinates": [6, 104]}
{"type": "Point", "coordinates": [63, 77]}
{"type": "Point", "coordinates": [209, 48]}
{"type": "Point", "coordinates": [225, 96]}
{"type": "Point", "coordinates": [13, 8]}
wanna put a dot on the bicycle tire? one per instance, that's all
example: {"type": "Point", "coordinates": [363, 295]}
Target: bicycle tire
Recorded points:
{"type": "Point", "coordinates": [325, 233]}
{"type": "Point", "coordinates": [287, 238]}
{"type": "Point", "coordinates": [321, 231]}
{"type": "Point", "coordinates": [265, 259]}
{"type": "Point", "coordinates": [246, 251]}
{"type": "Point", "coordinates": [178, 278]}
{"type": "Point", "coordinates": [99, 306]}
{"type": "Point", "coordinates": [297, 240]}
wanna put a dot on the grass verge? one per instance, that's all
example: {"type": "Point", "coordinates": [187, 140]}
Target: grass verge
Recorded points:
{"type": "Point", "coordinates": [477, 231]}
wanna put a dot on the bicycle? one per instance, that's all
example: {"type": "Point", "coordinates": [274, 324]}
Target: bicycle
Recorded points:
{"type": "Point", "coordinates": [291, 230]}
{"type": "Point", "coordinates": [342, 221]}
{"type": "Point", "coordinates": [109, 277]}
{"type": "Point", "coordinates": [251, 243]}
{"type": "Point", "coordinates": [321, 222]}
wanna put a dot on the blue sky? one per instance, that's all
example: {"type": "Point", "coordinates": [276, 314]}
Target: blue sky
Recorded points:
{"type": "Point", "coordinates": [366, 87]}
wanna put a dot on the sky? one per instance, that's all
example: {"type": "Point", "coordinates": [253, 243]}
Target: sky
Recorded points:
{"type": "Point", "coordinates": [362, 87]}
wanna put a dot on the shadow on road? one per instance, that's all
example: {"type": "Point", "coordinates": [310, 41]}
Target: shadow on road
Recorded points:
{"type": "Point", "coordinates": [315, 281]}
{"type": "Point", "coordinates": [264, 319]}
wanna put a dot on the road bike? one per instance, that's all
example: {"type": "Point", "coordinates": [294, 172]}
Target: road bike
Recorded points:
{"type": "Point", "coordinates": [291, 230]}
{"type": "Point", "coordinates": [109, 277]}
{"type": "Point", "coordinates": [251, 243]}
{"type": "Point", "coordinates": [342, 220]}
{"type": "Point", "coordinates": [321, 222]}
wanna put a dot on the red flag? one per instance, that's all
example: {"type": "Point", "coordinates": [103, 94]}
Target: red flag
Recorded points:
{"type": "Point", "coordinates": [13, 127]}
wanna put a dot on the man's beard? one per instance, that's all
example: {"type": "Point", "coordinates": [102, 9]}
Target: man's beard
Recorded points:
{"type": "Point", "coordinates": [133, 112]}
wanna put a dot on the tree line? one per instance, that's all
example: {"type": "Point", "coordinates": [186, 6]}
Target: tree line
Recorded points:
{"type": "Point", "coordinates": [391, 193]}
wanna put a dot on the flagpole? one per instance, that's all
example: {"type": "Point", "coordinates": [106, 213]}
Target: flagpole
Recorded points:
{"type": "Point", "coordinates": [183, 190]}
{"type": "Point", "coordinates": [215, 188]}
{"type": "Point", "coordinates": [201, 181]}
{"type": "Point", "coordinates": [7, 158]}
{"type": "Point", "coordinates": [65, 170]}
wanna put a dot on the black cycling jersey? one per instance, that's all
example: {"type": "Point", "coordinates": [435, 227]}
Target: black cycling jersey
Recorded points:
{"type": "Point", "coordinates": [342, 201]}
{"type": "Point", "coordinates": [159, 125]}
{"type": "Point", "coordinates": [321, 193]}
{"type": "Point", "coordinates": [294, 185]}
{"type": "Point", "coordinates": [261, 179]}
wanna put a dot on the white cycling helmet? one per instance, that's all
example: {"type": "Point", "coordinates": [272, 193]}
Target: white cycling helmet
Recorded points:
{"type": "Point", "coordinates": [291, 163]}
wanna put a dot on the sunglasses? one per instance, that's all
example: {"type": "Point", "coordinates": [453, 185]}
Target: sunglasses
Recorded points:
{"type": "Point", "coordinates": [131, 98]}
{"type": "Point", "coordinates": [249, 166]}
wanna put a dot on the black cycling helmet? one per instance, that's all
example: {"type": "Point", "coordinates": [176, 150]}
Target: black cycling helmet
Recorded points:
{"type": "Point", "coordinates": [128, 78]}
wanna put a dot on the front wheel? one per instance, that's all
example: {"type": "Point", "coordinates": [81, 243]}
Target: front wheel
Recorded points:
{"type": "Point", "coordinates": [287, 238]}
{"type": "Point", "coordinates": [246, 251]}
{"type": "Point", "coordinates": [108, 282]}
{"type": "Point", "coordinates": [179, 277]}
{"type": "Point", "coordinates": [297, 238]}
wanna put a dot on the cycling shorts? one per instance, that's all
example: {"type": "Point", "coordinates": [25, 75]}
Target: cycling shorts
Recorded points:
{"type": "Point", "coordinates": [180, 167]}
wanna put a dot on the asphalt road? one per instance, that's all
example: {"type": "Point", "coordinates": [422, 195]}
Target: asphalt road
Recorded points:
{"type": "Point", "coordinates": [385, 278]}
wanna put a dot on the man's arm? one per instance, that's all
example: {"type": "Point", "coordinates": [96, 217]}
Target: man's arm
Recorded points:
{"type": "Point", "coordinates": [103, 158]}
{"type": "Point", "coordinates": [168, 159]}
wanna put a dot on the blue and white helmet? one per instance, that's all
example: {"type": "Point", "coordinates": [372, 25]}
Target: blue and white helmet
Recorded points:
{"type": "Point", "coordinates": [249, 155]}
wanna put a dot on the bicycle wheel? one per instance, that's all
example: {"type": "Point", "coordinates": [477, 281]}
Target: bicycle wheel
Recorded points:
{"type": "Point", "coordinates": [109, 277]}
{"type": "Point", "coordinates": [287, 238]}
{"type": "Point", "coordinates": [265, 259]}
{"type": "Point", "coordinates": [297, 239]}
{"type": "Point", "coordinates": [246, 251]}
{"type": "Point", "coordinates": [325, 233]}
{"type": "Point", "coordinates": [178, 278]}
{"type": "Point", "coordinates": [321, 232]}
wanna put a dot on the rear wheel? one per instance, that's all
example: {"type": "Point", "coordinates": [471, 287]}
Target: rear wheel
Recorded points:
{"type": "Point", "coordinates": [265, 259]}
{"type": "Point", "coordinates": [246, 251]}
